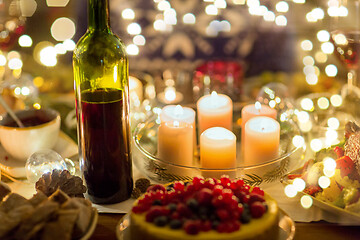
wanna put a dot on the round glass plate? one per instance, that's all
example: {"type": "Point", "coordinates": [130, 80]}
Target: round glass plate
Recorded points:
{"type": "Point", "coordinates": [286, 227]}
{"type": "Point", "coordinates": [291, 156]}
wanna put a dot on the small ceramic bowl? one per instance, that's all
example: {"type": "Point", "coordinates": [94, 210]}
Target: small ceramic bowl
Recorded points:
{"type": "Point", "coordinates": [41, 131]}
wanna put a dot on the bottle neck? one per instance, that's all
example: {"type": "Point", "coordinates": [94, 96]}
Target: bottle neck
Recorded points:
{"type": "Point", "coordinates": [98, 15]}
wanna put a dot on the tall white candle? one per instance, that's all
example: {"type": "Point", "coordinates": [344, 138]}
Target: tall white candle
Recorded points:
{"type": "Point", "coordinates": [262, 138]}
{"type": "Point", "coordinates": [175, 142]}
{"type": "Point", "coordinates": [215, 110]}
{"type": "Point", "coordinates": [217, 148]}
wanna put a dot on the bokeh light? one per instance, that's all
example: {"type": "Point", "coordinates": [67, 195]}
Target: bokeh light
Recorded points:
{"type": "Point", "coordinates": [306, 45]}
{"type": "Point", "coordinates": [134, 29]}
{"type": "Point", "coordinates": [128, 13]}
{"type": "Point", "coordinates": [282, 6]}
{"type": "Point", "coordinates": [306, 201]}
{"type": "Point", "coordinates": [189, 18]}
{"type": "Point", "coordinates": [327, 47]}
{"type": "Point", "coordinates": [323, 36]}
{"type": "Point", "coordinates": [132, 49]}
{"type": "Point", "coordinates": [25, 41]}
{"type": "Point", "coordinates": [290, 191]}
{"type": "Point", "coordinates": [299, 184]}
{"type": "Point", "coordinates": [281, 20]}
{"type": "Point", "coordinates": [62, 28]}
{"type": "Point", "coordinates": [331, 70]}
{"type": "Point", "coordinates": [336, 100]}
{"type": "Point", "coordinates": [15, 63]}
{"type": "Point", "coordinates": [69, 45]}
{"type": "Point", "coordinates": [324, 182]}
{"type": "Point", "coordinates": [139, 40]}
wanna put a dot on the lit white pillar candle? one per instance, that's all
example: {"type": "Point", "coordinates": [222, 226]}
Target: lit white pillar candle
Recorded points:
{"type": "Point", "coordinates": [262, 138]}
{"type": "Point", "coordinates": [217, 150]}
{"type": "Point", "coordinates": [215, 110]}
{"type": "Point", "coordinates": [254, 110]}
{"type": "Point", "coordinates": [175, 142]}
{"type": "Point", "coordinates": [181, 114]}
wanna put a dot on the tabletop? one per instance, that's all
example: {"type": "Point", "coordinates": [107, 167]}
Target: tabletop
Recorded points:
{"type": "Point", "coordinates": [310, 231]}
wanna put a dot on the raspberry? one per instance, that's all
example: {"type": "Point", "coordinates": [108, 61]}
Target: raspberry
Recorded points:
{"type": "Point", "coordinates": [210, 183]}
{"type": "Point", "coordinates": [257, 209]}
{"type": "Point", "coordinates": [198, 183]}
{"type": "Point", "coordinates": [205, 226]}
{"type": "Point", "coordinates": [183, 210]}
{"type": "Point", "coordinates": [258, 191]}
{"type": "Point", "coordinates": [223, 227]}
{"type": "Point", "coordinates": [254, 197]}
{"type": "Point", "coordinates": [225, 181]}
{"type": "Point", "coordinates": [312, 189]}
{"type": "Point", "coordinates": [191, 227]}
{"type": "Point", "coordinates": [204, 196]}
{"type": "Point", "coordinates": [218, 190]}
{"type": "Point", "coordinates": [179, 186]}
{"type": "Point", "coordinates": [190, 189]}
{"type": "Point", "coordinates": [339, 151]}
{"type": "Point", "coordinates": [222, 214]}
{"type": "Point", "coordinates": [346, 165]}
{"type": "Point", "coordinates": [156, 187]}
{"type": "Point", "coordinates": [156, 211]}
{"type": "Point", "coordinates": [217, 201]}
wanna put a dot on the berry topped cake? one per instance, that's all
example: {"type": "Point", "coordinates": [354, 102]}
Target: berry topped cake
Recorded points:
{"type": "Point", "coordinates": [204, 209]}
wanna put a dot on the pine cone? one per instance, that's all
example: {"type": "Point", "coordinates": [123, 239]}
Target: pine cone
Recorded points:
{"type": "Point", "coordinates": [61, 179]}
{"type": "Point", "coordinates": [142, 184]}
{"type": "Point", "coordinates": [351, 128]}
{"type": "Point", "coordinates": [136, 192]}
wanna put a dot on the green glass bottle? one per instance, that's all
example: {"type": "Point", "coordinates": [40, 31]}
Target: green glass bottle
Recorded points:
{"type": "Point", "coordinates": [101, 86]}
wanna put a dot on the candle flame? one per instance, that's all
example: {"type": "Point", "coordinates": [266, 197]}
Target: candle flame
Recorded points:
{"type": "Point", "coordinates": [170, 94]}
{"type": "Point", "coordinates": [176, 124]}
{"type": "Point", "coordinates": [213, 98]}
{"type": "Point", "coordinates": [213, 94]}
{"type": "Point", "coordinates": [178, 110]}
{"type": "Point", "coordinates": [258, 106]}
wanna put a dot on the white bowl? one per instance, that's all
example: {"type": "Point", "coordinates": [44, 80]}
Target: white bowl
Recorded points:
{"type": "Point", "coordinates": [22, 142]}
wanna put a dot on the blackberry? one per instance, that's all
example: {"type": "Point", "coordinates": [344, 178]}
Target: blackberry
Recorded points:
{"type": "Point", "coordinates": [161, 221]}
{"type": "Point", "coordinates": [175, 224]}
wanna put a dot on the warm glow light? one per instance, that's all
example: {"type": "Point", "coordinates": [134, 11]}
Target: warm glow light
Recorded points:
{"type": "Point", "coordinates": [306, 127]}
{"type": "Point", "coordinates": [211, 10]}
{"type": "Point", "coordinates": [163, 5]}
{"type": "Point", "coordinates": [316, 145]}
{"type": "Point", "coordinates": [307, 104]}
{"type": "Point", "coordinates": [340, 39]}
{"type": "Point", "coordinates": [331, 70]}
{"type": "Point", "coordinates": [311, 79]}
{"type": "Point", "coordinates": [281, 20]}
{"type": "Point", "coordinates": [62, 28]}
{"type": "Point", "coordinates": [25, 41]}
{"type": "Point", "coordinates": [324, 182]}
{"type": "Point", "coordinates": [60, 49]}
{"type": "Point", "coordinates": [139, 40]}
{"type": "Point", "coordinates": [318, 13]}
{"type": "Point", "coordinates": [333, 123]}
{"type": "Point", "coordinates": [310, 17]}
{"type": "Point", "coordinates": [298, 141]}
{"type": "Point", "coordinates": [189, 18]}
{"type": "Point", "coordinates": [159, 25]}
{"type": "Point", "coordinates": [329, 163]}
{"type": "Point", "coordinates": [303, 116]}
{"type": "Point", "coordinates": [282, 7]}
{"type": "Point", "coordinates": [69, 45]}
{"type": "Point", "coordinates": [306, 201]}
{"type": "Point", "coordinates": [321, 57]}
{"type": "Point", "coordinates": [13, 54]}
{"type": "Point", "coordinates": [306, 45]}
{"type": "Point", "coordinates": [299, 1]}
{"type": "Point", "coordinates": [15, 63]}
{"type": "Point", "coordinates": [132, 49]}
{"type": "Point", "coordinates": [309, 69]}
{"type": "Point", "coordinates": [220, 3]}
{"type": "Point", "coordinates": [299, 184]}
{"type": "Point", "coordinates": [239, 2]}
{"type": "Point", "coordinates": [269, 16]}
{"type": "Point", "coordinates": [48, 56]}
{"type": "Point", "coordinates": [128, 13]}
{"type": "Point", "coordinates": [290, 191]}
{"type": "Point", "coordinates": [308, 60]}
{"type": "Point", "coordinates": [38, 81]}
{"type": "Point", "coordinates": [323, 36]}
{"type": "Point", "coordinates": [2, 60]}
{"type": "Point", "coordinates": [336, 100]}
{"type": "Point", "coordinates": [57, 3]}
{"type": "Point", "coordinates": [327, 47]}
{"type": "Point", "coordinates": [134, 29]}
{"type": "Point", "coordinates": [323, 103]}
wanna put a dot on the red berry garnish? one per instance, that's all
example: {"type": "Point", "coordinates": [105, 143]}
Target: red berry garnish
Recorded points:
{"type": "Point", "coordinates": [217, 190]}
{"type": "Point", "coordinates": [223, 214]}
{"type": "Point", "coordinates": [225, 181]}
{"type": "Point", "coordinates": [205, 226]}
{"type": "Point", "coordinates": [218, 201]}
{"type": "Point", "coordinates": [223, 227]}
{"type": "Point", "coordinates": [191, 227]}
{"type": "Point", "coordinates": [254, 197]}
{"type": "Point", "coordinates": [339, 151]}
{"type": "Point", "coordinates": [183, 210]}
{"type": "Point", "coordinates": [204, 196]}
{"type": "Point", "coordinates": [179, 186]}
{"type": "Point", "coordinates": [257, 209]}
{"type": "Point", "coordinates": [156, 211]}
{"type": "Point", "coordinates": [210, 183]}
{"type": "Point", "coordinates": [258, 191]}
{"type": "Point", "coordinates": [155, 188]}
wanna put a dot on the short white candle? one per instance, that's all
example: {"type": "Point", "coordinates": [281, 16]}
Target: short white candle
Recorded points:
{"type": "Point", "coordinates": [175, 142]}
{"type": "Point", "coordinates": [217, 148]}
{"type": "Point", "coordinates": [262, 138]}
{"type": "Point", "coordinates": [215, 110]}
{"type": "Point", "coordinates": [181, 114]}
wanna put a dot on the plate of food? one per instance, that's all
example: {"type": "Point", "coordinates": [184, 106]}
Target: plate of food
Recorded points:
{"type": "Point", "coordinates": [332, 178]}
{"type": "Point", "coordinates": [206, 209]}
{"type": "Point", "coordinates": [57, 216]}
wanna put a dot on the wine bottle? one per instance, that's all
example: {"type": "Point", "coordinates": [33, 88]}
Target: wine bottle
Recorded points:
{"type": "Point", "coordinates": [102, 103]}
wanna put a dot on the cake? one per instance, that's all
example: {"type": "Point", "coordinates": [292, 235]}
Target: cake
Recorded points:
{"type": "Point", "coordinates": [204, 209]}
